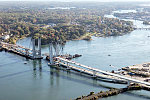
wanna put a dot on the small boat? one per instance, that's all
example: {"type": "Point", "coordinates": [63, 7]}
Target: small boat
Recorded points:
{"type": "Point", "coordinates": [25, 62]}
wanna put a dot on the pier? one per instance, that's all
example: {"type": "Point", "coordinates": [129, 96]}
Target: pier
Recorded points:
{"type": "Point", "coordinates": [112, 92]}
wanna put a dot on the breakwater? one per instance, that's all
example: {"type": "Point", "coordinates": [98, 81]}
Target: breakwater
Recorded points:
{"type": "Point", "coordinates": [112, 92]}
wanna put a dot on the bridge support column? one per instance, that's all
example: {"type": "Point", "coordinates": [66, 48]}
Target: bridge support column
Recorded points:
{"type": "Point", "coordinates": [59, 62]}
{"type": "Point", "coordinates": [51, 54]}
{"type": "Point", "coordinates": [94, 73]}
{"type": "Point", "coordinates": [39, 47]}
{"type": "Point", "coordinates": [33, 49]}
{"type": "Point", "coordinates": [27, 52]}
{"type": "Point", "coordinates": [68, 66]}
{"type": "Point", "coordinates": [57, 49]}
{"type": "Point", "coordinates": [129, 82]}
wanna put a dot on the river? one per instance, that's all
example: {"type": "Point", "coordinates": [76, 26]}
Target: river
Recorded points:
{"type": "Point", "coordinates": [37, 81]}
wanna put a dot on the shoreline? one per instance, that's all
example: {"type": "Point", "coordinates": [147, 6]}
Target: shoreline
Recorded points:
{"type": "Point", "coordinates": [87, 37]}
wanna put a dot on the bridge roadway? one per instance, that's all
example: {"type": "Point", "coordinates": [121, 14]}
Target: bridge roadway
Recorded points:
{"type": "Point", "coordinates": [106, 78]}
{"type": "Point", "coordinates": [14, 45]}
{"type": "Point", "coordinates": [20, 50]}
{"type": "Point", "coordinates": [104, 72]}
{"type": "Point", "coordinates": [81, 65]}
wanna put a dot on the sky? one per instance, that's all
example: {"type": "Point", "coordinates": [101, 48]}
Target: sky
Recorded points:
{"type": "Point", "coordinates": [84, 0]}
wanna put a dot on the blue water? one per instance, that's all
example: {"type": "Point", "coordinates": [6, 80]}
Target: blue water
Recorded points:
{"type": "Point", "coordinates": [37, 81]}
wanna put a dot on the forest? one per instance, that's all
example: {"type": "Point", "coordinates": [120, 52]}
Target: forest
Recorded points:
{"type": "Point", "coordinates": [59, 22]}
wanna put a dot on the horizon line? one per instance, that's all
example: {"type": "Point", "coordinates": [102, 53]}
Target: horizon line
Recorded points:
{"type": "Point", "coordinates": [70, 1]}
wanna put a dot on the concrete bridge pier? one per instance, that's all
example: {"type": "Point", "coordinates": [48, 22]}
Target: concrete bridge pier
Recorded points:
{"type": "Point", "coordinates": [51, 54]}
{"type": "Point", "coordinates": [129, 82]}
{"type": "Point", "coordinates": [94, 74]}
{"type": "Point", "coordinates": [27, 52]}
{"type": "Point", "coordinates": [33, 49]}
{"type": "Point", "coordinates": [36, 53]}
{"type": "Point", "coordinates": [39, 47]}
{"type": "Point", "coordinates": [68, 66]}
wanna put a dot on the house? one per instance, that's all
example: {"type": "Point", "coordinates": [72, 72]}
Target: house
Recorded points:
{"type": "Point", "coordinates": [5, 37]}
{"type": "Point", "coordinates": [51, 24]}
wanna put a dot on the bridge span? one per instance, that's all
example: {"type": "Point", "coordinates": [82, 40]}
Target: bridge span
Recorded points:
{"type": "Point", "coordinates": [95, 71]}
{"type": "Point", "coordinates": [36, 54]}
{"type": "Point", "coordinates": [23, 51]}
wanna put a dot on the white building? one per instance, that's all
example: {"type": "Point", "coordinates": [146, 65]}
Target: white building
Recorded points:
{"type": "Point", "coordinates": [5, 37]}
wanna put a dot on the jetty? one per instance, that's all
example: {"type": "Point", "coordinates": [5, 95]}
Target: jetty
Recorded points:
{"type": "Point", "coordinates": [112, 92]}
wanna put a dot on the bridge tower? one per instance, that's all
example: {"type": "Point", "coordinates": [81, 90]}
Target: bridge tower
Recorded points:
{"type": "Point", "coordinates": [39, 47]}
{"type": "Point", "coordinates": [57, 49]}
{"type": "Point", "coordinates": [36, 53]}
{"type": "Point", "coordinates": [33, 49]}
{"type": "Point", "coordinates": [51, 54]}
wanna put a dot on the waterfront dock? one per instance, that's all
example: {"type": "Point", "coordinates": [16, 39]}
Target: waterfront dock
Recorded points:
{"type": "Point", "coordinates": [138, 71]}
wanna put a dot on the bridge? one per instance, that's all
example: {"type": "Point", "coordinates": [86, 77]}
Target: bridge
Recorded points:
{"type": "Point", "coordinates": [23, 51]}
{"type": "Point", "coordinates": [97, 72]}
{"type": "Point", "coordinates": [94, 72]}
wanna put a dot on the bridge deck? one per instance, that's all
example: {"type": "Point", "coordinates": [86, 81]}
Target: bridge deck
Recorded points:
{"type": "Point", "coordinates": [104, 72]}
{"type": "Point", "coordinates": [98, 75]}
{"type": "Point", "coordinates": [19, 50]}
